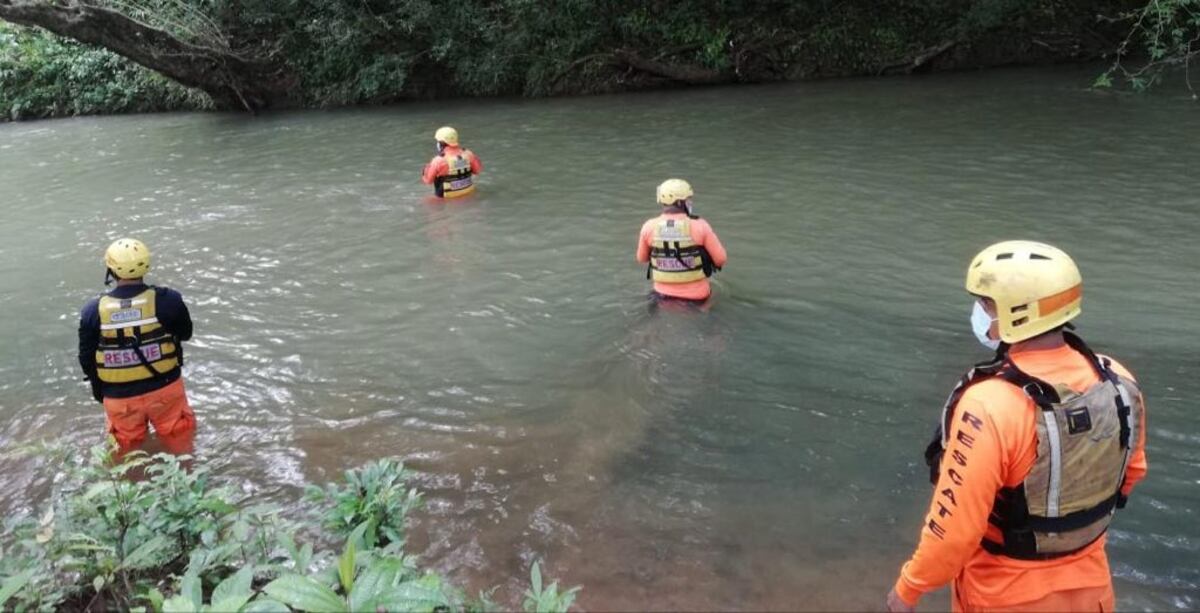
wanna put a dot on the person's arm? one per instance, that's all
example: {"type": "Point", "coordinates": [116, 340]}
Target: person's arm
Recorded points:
{"type": "Point", "coordinates": [476, 165]}
{"type": "Point", "coordinates": [713, 244]}
{"type": "Point", "coordinates": [971, 475]}
{"type": "Point", "coordinates": [89, 341]}
{"type": "Point", "coordinates": [434, 169]}
{"type": "Point", "coordinates": [643, 246]}
{"type": "Point", "coordinates": [173, 313]}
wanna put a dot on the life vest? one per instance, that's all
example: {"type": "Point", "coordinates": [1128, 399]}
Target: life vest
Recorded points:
{"type": "Point", "coordinates": [134, 346]}
{"type": "Point", "coordinates": [457, 181]}
{"type": "Point", "coordinates": [1084, 442]}
{"type": "Point", "coordinates": [674, 256]}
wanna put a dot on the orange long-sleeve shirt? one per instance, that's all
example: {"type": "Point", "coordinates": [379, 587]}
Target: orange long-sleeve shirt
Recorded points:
{"type": "Point", "coordinates": [437, 167]}
{"type": "Point", "coordinates": [1003, 450]}
{"type": "Point", "coordinates": [703, 235]}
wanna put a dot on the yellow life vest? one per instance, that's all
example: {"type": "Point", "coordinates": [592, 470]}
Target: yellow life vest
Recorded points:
{"type": "Point", "coordinates": [674, 256]}
{"type": "Point", "coordinates": [1084, 443]}
{"type": "Point", "coordinates": [457, 181]}
{"type": "Point", "coordinates": [134, 346]}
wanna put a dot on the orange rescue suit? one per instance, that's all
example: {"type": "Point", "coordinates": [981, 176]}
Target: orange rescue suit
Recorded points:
{"type": "Point", "coordinates": [998, 420]}
{"type": "Point", "coordinates": [451, 172]}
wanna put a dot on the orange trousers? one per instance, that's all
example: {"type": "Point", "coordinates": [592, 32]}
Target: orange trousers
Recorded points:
{"type": "Point", "coordinates": [1080, 599]}
{"type": "Point", "coordinates": [166, 409]}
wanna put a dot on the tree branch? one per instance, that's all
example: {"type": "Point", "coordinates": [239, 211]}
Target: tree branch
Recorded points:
{"type": "Point", "coordinates": [232, 80]}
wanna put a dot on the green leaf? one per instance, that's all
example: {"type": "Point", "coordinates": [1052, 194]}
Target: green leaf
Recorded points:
{"type": "Point", "coordinates": [410, 596]}
{"type": "Point", "coordinates": [302, 593]}
{"type": "Point", "coordinates": [156, 599]}
{"type": "Point", "coordinates": [228, 605]}
{"type": "Point", "coordinates": [346, 568]}
{"type": "Point", "coordinates": [535, 578]}
{"type": "Point", "coordinates": [379, 576]}
{"type": "Point", "coordinates": [97, 489]}
{"type": "Point", "coordinates": [192, 590]}
{"type": "Point", "coordinates": [178, 604]}
{"type": "Point", "coordinates": [266, 605]}
{"type": "Point", "coordinates": [143, 556]}
{"type": "Point", "coordinates": [232, 587]}
{"type": "Point", "coordinates": [13, 584]}
{"type": "Point", "coordinates": [98, 583]}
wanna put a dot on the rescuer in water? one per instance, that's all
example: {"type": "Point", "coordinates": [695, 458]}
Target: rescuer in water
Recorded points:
{"type": "Point", "coordinates": [681, 250]}
{"type": "Point", "coordinates": [452, 170]}
{"type": "Point", "coordinates": [130, 349]}
{"type": "Point", "coordinates": [1035, 450]}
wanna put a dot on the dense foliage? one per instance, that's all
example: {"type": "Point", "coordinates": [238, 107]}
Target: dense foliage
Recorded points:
{"type": "Point", "coordinates": [373, 51]}
{"type": "Point", "coordinates": [42, 75]}
{"type": "Point", "coordinates": [340, 52]}
{"type": "Point", "coordinates": [171, 541]}
{"type": "Point", "coordinates": [1167, 33]}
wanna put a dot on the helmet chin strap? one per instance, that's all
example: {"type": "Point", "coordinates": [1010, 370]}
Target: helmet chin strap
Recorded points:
{"type": "Point", "coordinates": [108, 277]}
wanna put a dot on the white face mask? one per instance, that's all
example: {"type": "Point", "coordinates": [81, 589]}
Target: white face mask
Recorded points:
{"type": "Point", "coordinates": [981, 322]}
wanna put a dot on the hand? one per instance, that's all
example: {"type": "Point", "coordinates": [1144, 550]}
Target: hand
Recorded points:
{"type": "Point", "coordinates": [896, 605]}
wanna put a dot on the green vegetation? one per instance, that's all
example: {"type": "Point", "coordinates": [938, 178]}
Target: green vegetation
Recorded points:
{"type": "Point", "coordinates": [256, 54]}
{"type": "Point", "coordinates": [173, 542]}
{"type": "Point", "coordinates": [43, 75]}
{"type": "Point", "coordinates": [1168, 32]}
{"type": "Point", "coordinates": [263, 53]}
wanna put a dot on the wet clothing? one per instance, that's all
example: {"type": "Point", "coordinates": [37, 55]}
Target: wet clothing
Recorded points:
{"type": "Point", "coordinates": [173, 325]}
{"type": "Point", "coordinates": [451, 172]}
{"type": "Point", "coordinates": [165, 408]}
{"type": "Point", "coordinates": [675, 258]}
{"type": "Point", "coordinates": [993, 444]}
{"type": "Point", "coordinates": [1100, 599]}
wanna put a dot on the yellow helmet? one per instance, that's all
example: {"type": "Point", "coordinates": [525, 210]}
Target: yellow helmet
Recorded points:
{"type": "Point", "coordinates": [673, 190]}
{"type": "Point", "coordinates": [1036, 287]}
{"type": "Point", "coordinates": [446, 134]}
{"type": "Point", "coordinates": [128, 258]}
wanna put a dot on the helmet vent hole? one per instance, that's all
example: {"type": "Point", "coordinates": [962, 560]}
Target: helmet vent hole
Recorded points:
{"type": "Point", "coordinates": [1004, 256]}
{"type": "Point", "coordinates": [1037, 256]}
{"type": "Point", "coordinates": [1020, 308]}
{"type": "Point", "coordinates": [1020, 322]}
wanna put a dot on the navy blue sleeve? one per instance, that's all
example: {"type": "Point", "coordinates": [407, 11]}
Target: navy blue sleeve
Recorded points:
{"type": "Point", "coordinates": [89, 336]}
{"type": "Point", "coordinates": [173, 313]}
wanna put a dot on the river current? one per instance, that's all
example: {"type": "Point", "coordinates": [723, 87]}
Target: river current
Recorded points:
{"type": "Point", "coordinates": [764, 453]}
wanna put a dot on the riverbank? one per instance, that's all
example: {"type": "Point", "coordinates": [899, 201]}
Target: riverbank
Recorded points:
{"type": "Point", "coordinates": [344, 54]}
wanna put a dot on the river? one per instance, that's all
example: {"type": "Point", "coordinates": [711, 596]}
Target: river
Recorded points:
{"type": "Point", "coordinates": [762, 454]}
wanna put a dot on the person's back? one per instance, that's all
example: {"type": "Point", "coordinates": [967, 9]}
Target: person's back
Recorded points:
{"type": "Point", "coordinates": [452, 170]}
{"type": "Point", "coordinates": [681, 250]}
{"type": "Point", "coordinates": [130, 349]}
{"type": "Point", "coordinates": [1035, 450]}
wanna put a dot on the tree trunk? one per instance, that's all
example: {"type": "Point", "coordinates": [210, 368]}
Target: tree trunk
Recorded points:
{"type": "Point", "coordinates": [232, 80]}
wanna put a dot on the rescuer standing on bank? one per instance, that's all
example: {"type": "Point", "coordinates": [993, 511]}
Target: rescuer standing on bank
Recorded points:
{"type": "Point", "coordinates": [1035, 450]}
{"type": "Point", "coordinates": [130, 349]}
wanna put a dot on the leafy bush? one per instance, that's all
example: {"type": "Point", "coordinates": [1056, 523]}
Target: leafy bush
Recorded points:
{"type": "Point", "coordinates": [43, 75]}
{"type": "Point", "coordinates": [343, 52]}
{"type": "Point", "coordinates": [173, 542]}
{"type": "Point", "coordinates": [1167, 33]}
{"type": "Point", "coordinates": [374, 496]}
